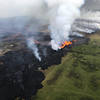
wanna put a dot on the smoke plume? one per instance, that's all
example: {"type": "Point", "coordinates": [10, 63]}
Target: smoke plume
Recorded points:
{"type": "Point", "coordinates": [33, 47]}
{"type": "Point", "coordinates": [88, 22]}
{"type": "Point", "coordinates": [90, 15]}
{"type": "Point", "coordinates": [59, 14]}
{"type": "Point", "coordinates": [62, 14]}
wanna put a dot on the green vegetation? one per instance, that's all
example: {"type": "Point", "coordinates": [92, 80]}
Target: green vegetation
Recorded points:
{"type": "Point", "coordinates": [55, 77]}
{"type": "Point", "coordinates": [77, 77]}
{"type": "Point", "coordinates": [94, 83]}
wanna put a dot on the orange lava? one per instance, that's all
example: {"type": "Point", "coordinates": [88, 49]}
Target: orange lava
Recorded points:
{"type": "Point", "coordinates": [36, 41]}
{"type": "Point", "coordinates": [16, 35]}
{"type": "Point", "coordinates": [67, 43]}
{"type": "Point", "coordinates": [74, 40]}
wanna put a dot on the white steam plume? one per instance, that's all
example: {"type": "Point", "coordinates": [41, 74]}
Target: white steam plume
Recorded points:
{"type": "Point", "coordinates": [33, 47]}
{"type": "Point", "coordinates": [59, 13]}
{"type": "Point", "coordinates": [85, 26]}
{"type": "Point", "coordinates": [88, 22]}
{"type": "Point", "coordinates": [62, 14]}
{"type": "Point", "coordinates": [77, 34]}
{"type": "Point", "coordinates": [90, 15]}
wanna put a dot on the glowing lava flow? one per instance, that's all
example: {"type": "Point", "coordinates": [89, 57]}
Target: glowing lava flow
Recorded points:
{"type": "Point", "coordinates": [67, 43]}
{"type": "Point", "coordinates": [10, 38]}
{"type": "Point", "coordinates": [16, 35]}
{"type": "Point", "coordinates": [36, 41]}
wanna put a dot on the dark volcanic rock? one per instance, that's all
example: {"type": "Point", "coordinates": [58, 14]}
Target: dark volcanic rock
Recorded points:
{"type": "Point", "coordinates": [17, 79]}
{"type": "Point", "coordinates": [19, 74]}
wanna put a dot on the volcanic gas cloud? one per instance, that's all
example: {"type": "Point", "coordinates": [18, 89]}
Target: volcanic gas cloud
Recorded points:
{"type": "Point", "coordinates": [60, 15]}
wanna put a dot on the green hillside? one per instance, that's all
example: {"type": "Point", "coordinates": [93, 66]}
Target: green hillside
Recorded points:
{"type": "Point", "coordinates": [77, 77]}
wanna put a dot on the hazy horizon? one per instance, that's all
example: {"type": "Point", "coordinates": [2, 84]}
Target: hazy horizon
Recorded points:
{"type": "Point", "coordinates": [13, 8]}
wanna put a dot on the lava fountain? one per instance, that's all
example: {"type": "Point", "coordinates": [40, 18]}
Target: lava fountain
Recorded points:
{"type": "Point", "coordinates": [67, 43]}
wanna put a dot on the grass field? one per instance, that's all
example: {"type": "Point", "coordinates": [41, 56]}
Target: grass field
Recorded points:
{"type": "Point", "coordinates": [77, 77]}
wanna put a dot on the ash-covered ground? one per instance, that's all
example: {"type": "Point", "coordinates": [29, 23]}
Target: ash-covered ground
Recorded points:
{"type": "Point", "coordinates": [19, 69]}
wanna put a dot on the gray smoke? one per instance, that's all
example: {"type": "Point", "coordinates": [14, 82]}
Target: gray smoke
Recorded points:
{"type": "Point", "coordinates": [33, 47]}
{"type": "Point", "coordinates": [76, 34]}
{"type": "Point", "coordinates": [88, 22]}
{"type": "Point", "coordinates": [62, 14]}
{"type": "Point", "coordinates": [90, 15]}
{"type": "Point", "coordinates": [59, 14]}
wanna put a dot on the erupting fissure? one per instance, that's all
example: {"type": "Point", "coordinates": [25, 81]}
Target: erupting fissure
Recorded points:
{"type": "Point", "coordinates": [67, 43]}
{"type": "Point", "coordinates": [62, 14]}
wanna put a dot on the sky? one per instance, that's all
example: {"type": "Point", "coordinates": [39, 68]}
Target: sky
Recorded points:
{"type": "Point", "coordinates": [92, 5]}
{"type": "Point", "coordinates": [10, 8]}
